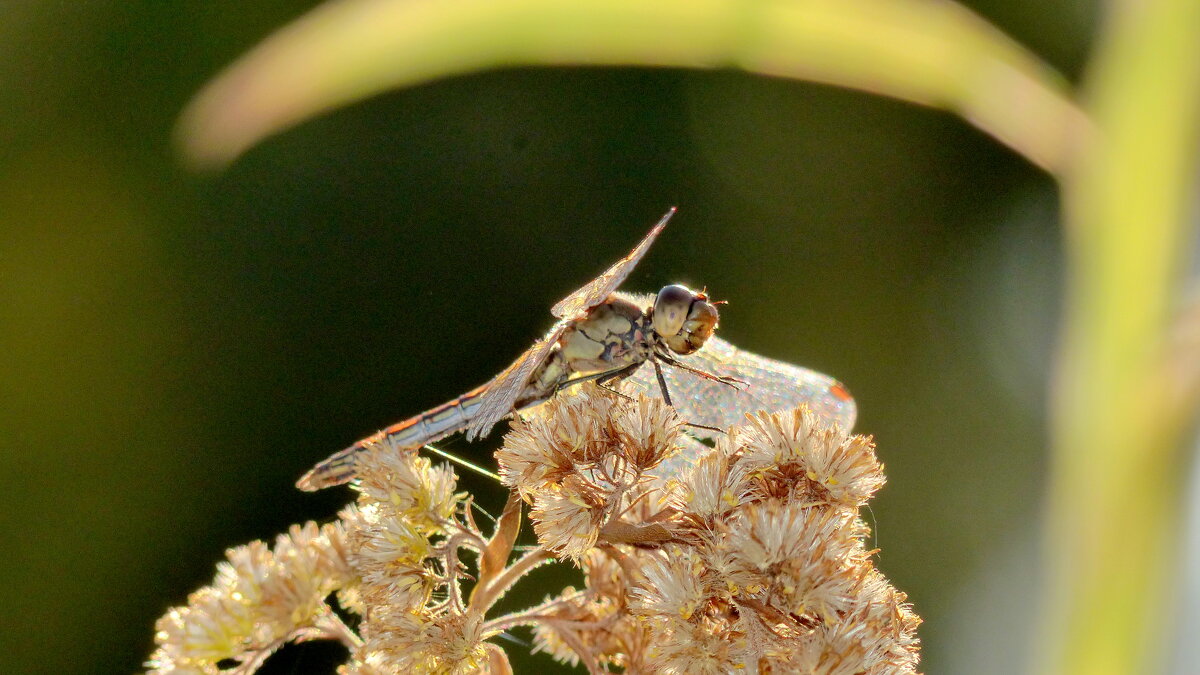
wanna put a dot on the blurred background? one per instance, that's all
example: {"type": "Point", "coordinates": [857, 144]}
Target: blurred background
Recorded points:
{"type": "Point", "coordinates": [176, 348]}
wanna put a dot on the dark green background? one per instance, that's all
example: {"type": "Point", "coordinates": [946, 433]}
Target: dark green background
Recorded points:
{"type": "Point", "coordinates": [175, 348]}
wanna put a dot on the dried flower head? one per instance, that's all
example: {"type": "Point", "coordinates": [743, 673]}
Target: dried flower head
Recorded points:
{"type": "Point", "coordinates": [746, 556]}
{"type": "Point", "coordinates": [675, 585]}
{"type": "Point", "coordinates": [425, 642]}
{"type": "Point", "coordinates": [391, 558]}
{"type": "Point", "coordinates": [567, 517]}
{"type": "Point", "coordinates": [646, 432]}
{"type": "Point", "coordinates": [410, 487]}
{"type": "Point", "coordinates": [796, 451]}
{"type": "Point", "coordinates": [712, 487]}
{"type": "Point", "coordinates": [259, 599]}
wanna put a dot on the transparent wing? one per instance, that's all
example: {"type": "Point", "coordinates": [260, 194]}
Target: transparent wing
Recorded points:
{"type": "Point", "coordinates": [770, 385]}
{"type": "Point", "coordinates": [597, 290]}
{"type": "Point", "coordinates": [498, 397]}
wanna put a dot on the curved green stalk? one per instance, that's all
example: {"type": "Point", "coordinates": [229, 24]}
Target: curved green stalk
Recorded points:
{"type": "Point", "coordinates": [923, 51]}
{"type": "Point", "coordinates": [1116, 482]}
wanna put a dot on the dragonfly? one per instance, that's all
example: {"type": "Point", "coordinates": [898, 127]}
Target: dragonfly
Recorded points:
{"type": "Point", "coordinates": [661, 344]}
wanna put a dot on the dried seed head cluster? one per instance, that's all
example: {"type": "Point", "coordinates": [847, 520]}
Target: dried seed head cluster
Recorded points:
{"type": "Point", "coordinates": [261, 598]}
{"type": "Point", "coordinates": [743, 557]}
{"type": "Point", "coordinates": [749, 559]}
{"type": "Point", "coordinates": [581, 461]}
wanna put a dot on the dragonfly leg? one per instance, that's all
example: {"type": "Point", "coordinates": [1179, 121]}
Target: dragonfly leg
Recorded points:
{"type": "Point", "coordinates": [616, 375]}
{"type": "Point", "coordinates": [662, 383]}
{"type": "Point", "coordinates": [723, 379]}
{"type": "Point", "coordinates": [602, 378]}
{"type": "Point", "coordinates": [605, 387]}
{"type": "Point", "coordinates": [705, 427]}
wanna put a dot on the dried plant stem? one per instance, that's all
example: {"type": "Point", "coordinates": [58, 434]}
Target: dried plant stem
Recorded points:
{"type": "Point", "coordinates": [252, 661]}
{"type": "Point", "coordinates": [451, 546]}
{"type": "Point", "coordinates": [467, 538]}
{"type": "Point", "coordinates": [534, 618]}
{"type": "Point", "coordinates": [484, 600]}
{"type": "Point", "coordinates": [333, 627]}
{"type": "Point", "coordinates": [576, 644]}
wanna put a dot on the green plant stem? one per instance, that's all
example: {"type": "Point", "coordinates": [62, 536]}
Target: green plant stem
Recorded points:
{"type": "Point", "coordinates": [1115, 484]}
{"type": "Point", "coordinates": [929, 52]}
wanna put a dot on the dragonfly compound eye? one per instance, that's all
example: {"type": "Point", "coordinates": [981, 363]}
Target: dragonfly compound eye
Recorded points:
{"type": "Point", "coordinates": [671, 309]}
{"type": "Point", "coordinates": [683, 318]}
{"type": "Point", "coordinates": [700, 324]}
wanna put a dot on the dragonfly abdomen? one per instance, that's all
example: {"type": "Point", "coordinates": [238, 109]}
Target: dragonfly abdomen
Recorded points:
{"type": "Point", "coordinates": [414, 432]}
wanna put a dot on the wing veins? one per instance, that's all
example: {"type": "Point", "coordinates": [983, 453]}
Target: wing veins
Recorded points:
{"type": "Point", "coordinates": [597, 290]}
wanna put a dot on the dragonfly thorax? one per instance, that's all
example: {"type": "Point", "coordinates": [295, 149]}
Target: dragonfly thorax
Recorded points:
{"type": "Point", "coordinates": [683, 318]}
{"type": "Point", "coordinates": [612, 335]}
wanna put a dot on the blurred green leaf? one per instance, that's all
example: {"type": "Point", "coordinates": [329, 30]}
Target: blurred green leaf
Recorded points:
{"type": "Point", "coordinates": [933, 53]}
{"type": "Point", "coordinates": [1119, 428]}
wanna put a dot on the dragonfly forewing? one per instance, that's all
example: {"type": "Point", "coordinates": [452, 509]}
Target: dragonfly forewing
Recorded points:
{"type": "Point", "coordinates": [770, 385]}
{"type": "Point", "coordinates": [597, 290]}
{"type": "Point", "coordinates": [499, 397]}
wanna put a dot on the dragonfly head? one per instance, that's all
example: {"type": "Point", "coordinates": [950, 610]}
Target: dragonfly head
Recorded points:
{"type": "Point", "coordinates": [683, 318]}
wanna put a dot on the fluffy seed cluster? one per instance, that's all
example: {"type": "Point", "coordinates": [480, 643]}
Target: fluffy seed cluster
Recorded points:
{"type": "Point", "coordinates": [581, 460]}
{"type": "Point", "coordinates": [750, 559]}
{"type": "Point", "coordinates": [261, 598]}
{"type": "Point", "coordinates": [386, 559]}
{"type": "Point", "coordinates": [746, 556]}
{"type": "Point", "coordinates": [406, 533]}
